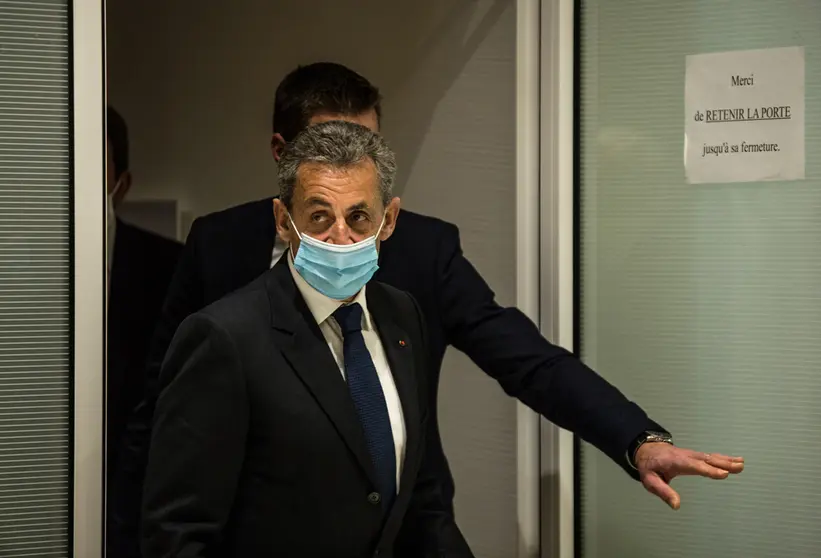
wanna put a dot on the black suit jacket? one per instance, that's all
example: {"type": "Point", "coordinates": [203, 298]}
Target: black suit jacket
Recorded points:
{"type": "Point", "coordinates": [257, 449]}
{"type": "Point", "coordinates": [141, 271]}
{"type": "Point", "coordinates": [228, 249]}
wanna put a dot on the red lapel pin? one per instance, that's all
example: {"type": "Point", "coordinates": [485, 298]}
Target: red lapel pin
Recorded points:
{"type": "Point", "coordinates": [402, 343]}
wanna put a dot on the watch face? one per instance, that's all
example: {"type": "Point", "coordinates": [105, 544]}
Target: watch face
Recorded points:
{"type": "Point", "coordinates": [659, 437]}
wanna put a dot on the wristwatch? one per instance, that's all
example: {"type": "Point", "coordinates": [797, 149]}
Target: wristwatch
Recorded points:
{"type": "Point", "coordinates": [649, 436]}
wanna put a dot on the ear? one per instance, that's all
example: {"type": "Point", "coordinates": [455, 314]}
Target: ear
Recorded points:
{"type": "Point", "coordinates": [122, 190]}
{"type": "Point", "coordinates": [283, 222]}
{"type": "Point", "coordinates": [277, 145]}
{"type": "Point", "coordinates": [391, 216]}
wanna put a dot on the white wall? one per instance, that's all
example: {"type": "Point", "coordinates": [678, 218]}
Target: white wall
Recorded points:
{"type": "Point", "coordinates": [196, 87]}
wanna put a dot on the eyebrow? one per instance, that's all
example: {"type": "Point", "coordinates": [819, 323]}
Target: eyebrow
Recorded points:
{"type": "Point", "coordinates": [317, 201]}
{"type": "Point", "coordinates": [358, 207]}
{"type": "Point", "coordinates": [320, 202]}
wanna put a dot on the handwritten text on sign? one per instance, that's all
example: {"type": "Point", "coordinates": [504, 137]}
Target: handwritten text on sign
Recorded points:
{"type": "Point", "coordinates": [744, 116]}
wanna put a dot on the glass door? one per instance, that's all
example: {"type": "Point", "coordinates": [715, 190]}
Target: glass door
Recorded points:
{"type": "Point", "coordinates": [701, 302]}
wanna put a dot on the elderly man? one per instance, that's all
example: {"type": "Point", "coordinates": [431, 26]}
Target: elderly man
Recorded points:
{"type": "Point", "coordinates": [227, 250]}
{"type": "Point", "coordinates": [292, 416]}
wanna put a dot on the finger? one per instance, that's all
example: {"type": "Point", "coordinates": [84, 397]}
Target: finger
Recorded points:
{"type": "Point", "coordinates": [656, 485]}
{"type": "Point", "coordinates": [732, 465]}
{"type": "Point", "coordinates": [697, 467]}
{"type": "Point", "coordinates": [705, 456]}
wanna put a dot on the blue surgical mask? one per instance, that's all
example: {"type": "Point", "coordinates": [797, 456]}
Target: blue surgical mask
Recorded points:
{"type": "Point", "coordinates": [338, 271]}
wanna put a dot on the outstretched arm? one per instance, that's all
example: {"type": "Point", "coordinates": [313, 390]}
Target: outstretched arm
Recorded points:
{"type": "Point", "coordinates": [509, 347]}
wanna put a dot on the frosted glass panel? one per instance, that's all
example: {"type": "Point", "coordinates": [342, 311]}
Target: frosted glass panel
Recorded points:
{"type": "Point", "coordinates": [35, 277]}
{"type": "Point", "coordinates": [702, 303]}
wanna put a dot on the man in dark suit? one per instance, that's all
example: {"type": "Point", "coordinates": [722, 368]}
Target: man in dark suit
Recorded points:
{"type": "Point", "coordinates": [292, 415]}
{"type": "Point", "coordinates": [228, 249]}
{"type": "Point", "coordinates": [140, 266]}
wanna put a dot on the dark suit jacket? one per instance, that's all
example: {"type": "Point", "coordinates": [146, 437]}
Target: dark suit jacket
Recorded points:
{"type": "Point", "coordinates": [141, 270]}
{"type": "Point", "coordinates": [228, 249]}
{"type": "Point", "coordinates": [257, 449]}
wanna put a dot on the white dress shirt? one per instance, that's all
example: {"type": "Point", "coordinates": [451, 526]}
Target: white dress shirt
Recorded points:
{"type": "Point", "coordinates": [322, 309]}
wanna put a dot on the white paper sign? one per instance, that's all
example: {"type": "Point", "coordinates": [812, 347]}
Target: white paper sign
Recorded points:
{"type": "Point", "coordinates": [744, 116]}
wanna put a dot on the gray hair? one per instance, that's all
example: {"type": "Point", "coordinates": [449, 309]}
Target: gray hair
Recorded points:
{"type": "Point", "coordinates": [337, 144]}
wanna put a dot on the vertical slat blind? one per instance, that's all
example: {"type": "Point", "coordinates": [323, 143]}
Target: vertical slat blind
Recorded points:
{"type": "Point", "coordinates": [702, 302]}
{"type": "Point", "coordinates": [34, 278]}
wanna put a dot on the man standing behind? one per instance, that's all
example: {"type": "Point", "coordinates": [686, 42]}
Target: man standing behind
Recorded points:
{"type": "Point", "coordinates": [140, 265]}
{"type": "Point", "coordinates": [292, 418]}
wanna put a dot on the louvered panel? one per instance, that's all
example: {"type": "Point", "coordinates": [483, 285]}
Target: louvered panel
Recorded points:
{"type": "Point", "coordinates": [34, 279]}
{"type": "Point", "coordinates": [702, 302]}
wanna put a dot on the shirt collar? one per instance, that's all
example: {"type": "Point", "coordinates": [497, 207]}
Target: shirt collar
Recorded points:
{"type": "Point", "coordinates": [322, 307]}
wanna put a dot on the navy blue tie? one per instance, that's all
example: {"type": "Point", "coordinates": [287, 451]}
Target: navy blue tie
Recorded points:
{"type": "Point", "coordinates": [369, 400]}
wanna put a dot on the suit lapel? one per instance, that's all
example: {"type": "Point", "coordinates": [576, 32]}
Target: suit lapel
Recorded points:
{"type": "Point", "coordinates": [400, 353]}
{"type": "Point", "coordinates": [302, 343]}
{"type": "Point", "coordinates": [399, 350]}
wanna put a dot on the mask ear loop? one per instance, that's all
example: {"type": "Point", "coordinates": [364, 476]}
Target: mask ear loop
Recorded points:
{"type": "Point", "coordinates": [298, 234]}
{"type": "Point", "coordinates": [112, 195]}
{"type": "Point", "coordinates": [116, 188]}
{"type": "Point", "coordinates": [379, 230]}
{"type": "Point", "coordinates": [111, 213]}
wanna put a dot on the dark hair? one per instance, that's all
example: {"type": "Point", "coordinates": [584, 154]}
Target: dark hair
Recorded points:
{"type": "Point", "coordinates": [322, 87]}
{"type": "Point", "coordinates": [117, 134]}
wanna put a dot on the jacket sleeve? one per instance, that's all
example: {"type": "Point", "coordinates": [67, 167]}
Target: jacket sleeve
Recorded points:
{"type": "Point", "coordinates": [185, 296]}
{"type": "Point", "coordinates": [429, 529]}
{"type": "Point", "coordinates": [508, 346]}
{"type": "Point", "coordinates": [197, 444]}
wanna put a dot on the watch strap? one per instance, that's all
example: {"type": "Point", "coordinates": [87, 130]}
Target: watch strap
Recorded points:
{"type": "Point", "coordinates": [648, 436]}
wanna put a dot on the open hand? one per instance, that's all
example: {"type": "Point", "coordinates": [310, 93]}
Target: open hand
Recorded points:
{"type": "Point", "coordinates": [660, 463]}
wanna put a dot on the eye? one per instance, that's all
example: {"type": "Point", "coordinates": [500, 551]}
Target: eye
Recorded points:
{"type": "Point", "coordinates": [317, 217]}
{"type": "Point", "coordinates": [359, 217]}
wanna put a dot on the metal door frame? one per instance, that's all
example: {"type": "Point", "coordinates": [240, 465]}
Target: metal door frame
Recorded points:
{"type": "Point", "coordinates": [557, 265]}
{"type": "Point", "coordinates": [88, 281]}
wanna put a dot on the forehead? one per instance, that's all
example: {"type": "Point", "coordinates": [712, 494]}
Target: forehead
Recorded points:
{"type": "Point", "coordinates": [337, 186]}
